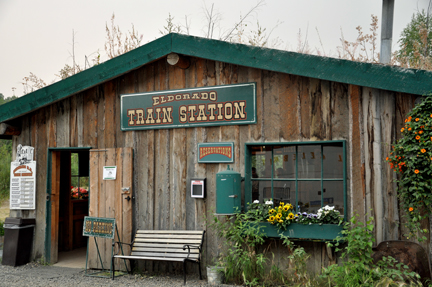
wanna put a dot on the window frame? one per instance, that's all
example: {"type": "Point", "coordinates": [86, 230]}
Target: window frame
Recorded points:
{"type": "Point", "coordinates": [248, 168]}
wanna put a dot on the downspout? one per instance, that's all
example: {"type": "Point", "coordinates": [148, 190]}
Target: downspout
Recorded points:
{"type": "Point", "coordinates": [386, 31]}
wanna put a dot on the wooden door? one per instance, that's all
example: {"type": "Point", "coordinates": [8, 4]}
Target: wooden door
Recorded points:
{"type": "Point", "coordinates": [110, 199]}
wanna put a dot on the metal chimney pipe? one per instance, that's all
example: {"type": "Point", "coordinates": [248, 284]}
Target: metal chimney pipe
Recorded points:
{"type": "Point", "coordinates": [386, 31]}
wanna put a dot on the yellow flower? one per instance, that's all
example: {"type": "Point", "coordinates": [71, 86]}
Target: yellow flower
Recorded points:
{"type": "Point", "coordinates": [285, 208]}
{"type": "Point", "coordinates": [271, 211]}
{"type": "Point", "coordinates": [291, 216]}
{"type": "Point", "coordinates": [281, 203]}
{"type": "Point", "coordinates": [280, 221]}
{"type": "Point", "coordinates": [278, 216]}
{"type": "Point", "coordinates": [271, 219]}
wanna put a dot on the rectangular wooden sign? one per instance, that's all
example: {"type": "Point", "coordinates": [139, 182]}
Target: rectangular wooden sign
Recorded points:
{"type": "Point", "coordinates": [205, 106]}
{"type": "Point", "coordinates": [215, 152]}
{"type": "Point", "coordinates": [99, 227]}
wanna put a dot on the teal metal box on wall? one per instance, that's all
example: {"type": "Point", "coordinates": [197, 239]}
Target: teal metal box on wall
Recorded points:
{"type": "Point", "coordinates": [228, 191]}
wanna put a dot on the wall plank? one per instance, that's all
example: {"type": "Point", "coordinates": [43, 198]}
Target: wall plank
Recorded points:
{"type": "Point", "coordinates": [90, 115]}
{"type": "Point", "coordinates": [63, 123]}
{"type": "Point", "coordinates": [110, 115]}
{"type": "Point", "coordinates": [356, 169]}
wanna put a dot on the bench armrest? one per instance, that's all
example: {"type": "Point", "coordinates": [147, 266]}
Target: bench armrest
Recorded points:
{"type": "Point", "coordinates": [188, 246]}
{"type": "Point", "coordinates": [119, 246]}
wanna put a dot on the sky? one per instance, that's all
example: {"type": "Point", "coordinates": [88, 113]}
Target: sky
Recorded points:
{"type": "Point", "coordinates": [36, 35]}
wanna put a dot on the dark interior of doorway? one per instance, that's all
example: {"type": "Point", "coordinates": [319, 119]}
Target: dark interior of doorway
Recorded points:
{"type": "Point", "coordinates": [74, 199]}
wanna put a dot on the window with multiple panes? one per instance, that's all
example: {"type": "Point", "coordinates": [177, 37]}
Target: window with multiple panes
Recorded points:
{"type": "Point", "coordinates": [79, 175]}
{"type": "Point", "coordinates": [307, 175]}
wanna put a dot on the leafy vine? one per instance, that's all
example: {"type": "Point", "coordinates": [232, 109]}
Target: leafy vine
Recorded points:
{"type": "Point", "coordinates": [411, 159]}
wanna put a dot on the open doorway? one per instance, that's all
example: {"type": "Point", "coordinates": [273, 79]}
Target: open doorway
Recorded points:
{"type": "Point", "coordinates": [70, 190]}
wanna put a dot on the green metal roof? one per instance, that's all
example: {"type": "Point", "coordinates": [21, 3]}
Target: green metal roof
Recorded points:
{"type": "Point", "coordinates": [378, 76]}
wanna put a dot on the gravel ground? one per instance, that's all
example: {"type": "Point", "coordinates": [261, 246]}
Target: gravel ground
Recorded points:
{"type": "Point", "coordinates": [34, 274]}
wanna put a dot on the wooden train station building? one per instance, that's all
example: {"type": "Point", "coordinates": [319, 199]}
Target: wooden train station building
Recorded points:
{"type": "Point", "coordinates": [183, 107]}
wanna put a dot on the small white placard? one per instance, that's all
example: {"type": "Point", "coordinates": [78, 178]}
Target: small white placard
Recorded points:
{"type": "Point", "coordinates": [109, 172]}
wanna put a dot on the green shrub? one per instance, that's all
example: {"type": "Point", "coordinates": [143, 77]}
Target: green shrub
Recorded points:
{"type": "Point", "coordinates": [241, 259]}
{"type": "Point", "coordinates": [5, 161]}
{"type": "Point", "coordinates": [1, 228]}
{"type": "Point", "coordinates": [359, 268]}
{"type": "Point", "coordinates": [245, 255]}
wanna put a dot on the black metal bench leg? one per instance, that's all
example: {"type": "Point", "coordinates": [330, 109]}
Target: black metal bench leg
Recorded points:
{"type": "Point", "coordinates": [184, 271]}
{"type": "Point", "coordinates": [199, 268]}
{"type": "Point", "coordinates": [113, 268]}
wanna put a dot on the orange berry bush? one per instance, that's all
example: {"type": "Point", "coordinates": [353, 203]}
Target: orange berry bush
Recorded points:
{"type": "Point", "coordinates": [411, 159]}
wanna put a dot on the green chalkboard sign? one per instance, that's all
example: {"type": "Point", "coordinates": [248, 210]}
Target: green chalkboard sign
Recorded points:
{"type": "Point", "coordinates": [99, 227]}
{"type": "Point", "coordinates": [204, 106]}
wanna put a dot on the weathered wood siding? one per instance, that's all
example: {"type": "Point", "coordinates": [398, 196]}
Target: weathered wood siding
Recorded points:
{"type": "Point", "coordinates": [289, 108]}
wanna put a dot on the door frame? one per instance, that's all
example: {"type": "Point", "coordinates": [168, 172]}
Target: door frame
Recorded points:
{"type": "Point", "coordinates": [48, 210]}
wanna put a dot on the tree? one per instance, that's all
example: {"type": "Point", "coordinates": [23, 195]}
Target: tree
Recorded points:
{"type": "Point", "coordinates": [4, 100]}
{"type": "Point", "coordinates": [415, 49]}
{"type": "Point", "coordinates": [5, 158]}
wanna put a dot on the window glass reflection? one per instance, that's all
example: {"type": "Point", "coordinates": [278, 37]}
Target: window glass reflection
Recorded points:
{"type": "Point", "coordinates": [309, 161]}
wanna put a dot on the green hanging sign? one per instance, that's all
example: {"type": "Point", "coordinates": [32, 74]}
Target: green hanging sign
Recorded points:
{"type": "Point", "coordinates": [205, 106]}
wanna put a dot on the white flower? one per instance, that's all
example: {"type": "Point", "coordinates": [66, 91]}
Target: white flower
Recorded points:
{"type": "Point", "coordinates": [256, 201]}
{"type": "Point", "coordinates": [269, 202]}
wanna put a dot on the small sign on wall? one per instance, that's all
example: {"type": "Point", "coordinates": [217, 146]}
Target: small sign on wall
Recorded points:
{"type": "Point", "coordinates": [198, 187]}
{"type": "Point", "coordinates": [109, 172]}
{"type": "Point", "coordinates": [215, 152]}
{"type": "Point", "coordinates": [23, 179]}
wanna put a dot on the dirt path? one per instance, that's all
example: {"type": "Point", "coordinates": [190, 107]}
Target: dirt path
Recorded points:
{"type": "Point", "coordinates": [4, 210]}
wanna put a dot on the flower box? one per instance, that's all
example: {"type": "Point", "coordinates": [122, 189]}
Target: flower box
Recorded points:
{"type": "Point", "coordinates": [323, 232]}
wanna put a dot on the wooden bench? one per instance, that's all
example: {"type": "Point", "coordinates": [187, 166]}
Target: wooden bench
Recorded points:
{"type": "Point", "coordinates": [165, 245]}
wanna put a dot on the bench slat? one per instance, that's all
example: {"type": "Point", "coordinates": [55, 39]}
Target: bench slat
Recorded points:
{"type": "Point", "coordinates": [168, 241]}
{"type": "Point", "coordinates": [164, 255]}
{"type": "Point", "coordinates": [170, 232]}
{"type": "Point", "coordinates": [168, 250]}
{"type": "Point", "coordinates": [187, 236]}
{"type": "Point", "coordinates": [161, 245]}
{"type": "Point", "coordinates": [149, 258]}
